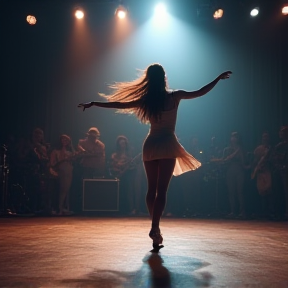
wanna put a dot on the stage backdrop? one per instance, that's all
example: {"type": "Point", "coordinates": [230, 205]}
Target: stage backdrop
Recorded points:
{"type": "Point", "coordinates": [48, 68]}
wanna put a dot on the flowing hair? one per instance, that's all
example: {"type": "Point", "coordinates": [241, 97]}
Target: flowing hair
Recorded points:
{"type": "Point", "coordinates": [150, 88]}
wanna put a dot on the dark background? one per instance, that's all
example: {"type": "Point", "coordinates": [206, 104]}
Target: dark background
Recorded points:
{"type": "Point", "coordinates": [48, 68]}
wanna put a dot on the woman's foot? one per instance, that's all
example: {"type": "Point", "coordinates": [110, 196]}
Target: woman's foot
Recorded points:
{"type": "Point", "coordinates": [156, 236]}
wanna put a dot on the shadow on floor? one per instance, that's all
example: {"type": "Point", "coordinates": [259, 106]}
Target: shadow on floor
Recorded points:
{"type": "Point", "coordinates": [156, 272]}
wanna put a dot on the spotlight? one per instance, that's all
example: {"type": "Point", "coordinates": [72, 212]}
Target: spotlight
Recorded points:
{"type": "Point", "coordinates": [218, 14]}
{"type": "Point", "coordinates": [31, 19]}
{"type": "Point", "coordinates": [79, 14]}
{"type": "Point", "coordinates": [121, 12]}
{"type": "Point", "coordinates": [160, 9]}
{"type": "Point", "coordinates": [285, 10]}
{"type": "Point", "coordinates": [254, 12]}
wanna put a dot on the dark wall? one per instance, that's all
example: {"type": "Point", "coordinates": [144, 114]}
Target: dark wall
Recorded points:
{"type": "Point", "coordinates": [47, 69]}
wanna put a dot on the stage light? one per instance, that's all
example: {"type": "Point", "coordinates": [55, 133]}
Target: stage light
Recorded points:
{"type": "Point", "coordinates": [285, 10]}
{"type": "Point", "coordinates": [31, 19]}
{"type": "Point", "coordinates": [254, 12]}
{"type": "Point", "coordinates": [79, 14]}
{"type": "Point", "coordinates": [218, 14]}
{"type": "Point", "coordinates": [160, 10]}
{"type": "Point", "coordinates": [161, 16]}
{"type": "Point", "coordinates": [121, 12]}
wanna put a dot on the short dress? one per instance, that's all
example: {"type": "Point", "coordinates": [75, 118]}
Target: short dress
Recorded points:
{"type": "Point", "coordinates": [162, 143]}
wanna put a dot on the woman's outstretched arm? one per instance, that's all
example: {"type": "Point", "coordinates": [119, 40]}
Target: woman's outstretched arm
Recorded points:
{"type": "Point", "coordinates": [117, 105]}
{"type": "Point", "coordinates": [182, 94]}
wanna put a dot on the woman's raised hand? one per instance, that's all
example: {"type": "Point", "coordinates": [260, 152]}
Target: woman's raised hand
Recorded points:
{"type": "Point", "coordinates": [85, 105]}
{"type": "Point", "coordinates": [225, 75]}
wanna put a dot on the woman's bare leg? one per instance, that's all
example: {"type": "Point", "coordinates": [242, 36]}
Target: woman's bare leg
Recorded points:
{"type": "Point", "coordinates": [159, 173]}
{"type": "Point", "coordinates": [165, 172]}
{"type": "Point", "coordinates": [151, 169]}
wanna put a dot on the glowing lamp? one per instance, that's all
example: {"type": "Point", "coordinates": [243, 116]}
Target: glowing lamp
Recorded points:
{"type": "Point", "coordinates": [160, 9]}
{"type": "Point", "coordinates": [285, 10]}
{"type": "Point", "coordinates": [254, 12]}
{"type": "Point", "coordinates": [31, 19]}
{"type": "Point", "coordinates": [79, 14]}
{"type": "Point", "coordinates": [121, 12]}
{"type": "Point", "coordinates": [218, 14]}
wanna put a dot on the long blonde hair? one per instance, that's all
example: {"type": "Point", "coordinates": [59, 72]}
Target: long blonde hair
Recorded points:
{"type": "Point", "coordinates": [151, 88]}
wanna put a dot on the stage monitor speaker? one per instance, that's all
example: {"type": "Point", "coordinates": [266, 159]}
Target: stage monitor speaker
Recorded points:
{"type": "Point", "coordinates": [100, 195]}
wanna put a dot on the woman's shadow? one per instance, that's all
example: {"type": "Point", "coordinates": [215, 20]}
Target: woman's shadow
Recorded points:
{"type": "Point", "coordinates": [160, 275]}
{"type": "Point", "coordinates": [153, 274]}
{"type": "Point", "coordinates": [179, 273]}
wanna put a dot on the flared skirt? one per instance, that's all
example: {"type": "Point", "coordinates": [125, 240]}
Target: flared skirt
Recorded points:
{"type": "Point", "coordinates": [167, 146]}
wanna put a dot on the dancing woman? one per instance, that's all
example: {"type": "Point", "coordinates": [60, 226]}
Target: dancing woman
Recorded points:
{"type": "Point", "coordinates": [150, 100]}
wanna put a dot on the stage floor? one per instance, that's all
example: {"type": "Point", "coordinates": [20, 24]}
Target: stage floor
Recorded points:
{"type": "Point", "coordinates": [114, 252]}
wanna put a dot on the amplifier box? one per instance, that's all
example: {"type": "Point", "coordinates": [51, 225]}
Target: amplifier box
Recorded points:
{"type": "Point", "coordinates": [100, 195]}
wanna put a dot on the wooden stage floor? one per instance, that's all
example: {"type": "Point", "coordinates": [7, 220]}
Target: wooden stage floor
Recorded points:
{"type": "Point", "coordinates": [114, 252]}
